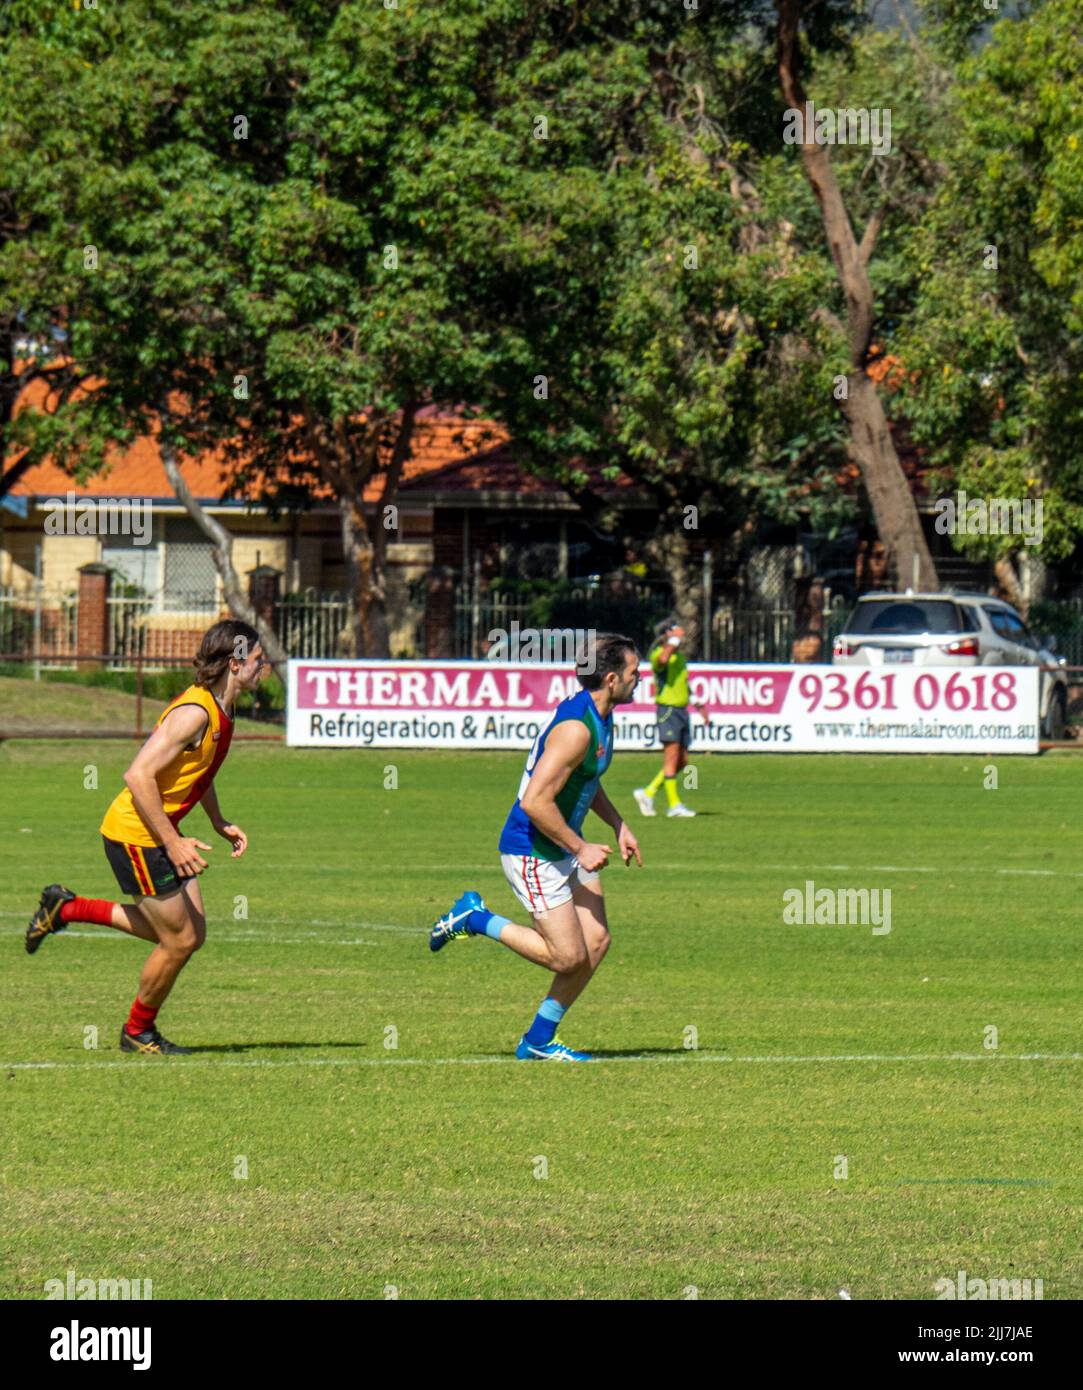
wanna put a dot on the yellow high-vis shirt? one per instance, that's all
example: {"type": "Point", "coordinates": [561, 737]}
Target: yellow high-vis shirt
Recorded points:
{"type": "Point", "coordinates": [671, 680]}
{"type": "Point", "coordinates": [183, 781]}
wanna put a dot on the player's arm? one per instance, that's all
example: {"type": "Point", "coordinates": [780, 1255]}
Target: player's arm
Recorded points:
{"type": "Point", "coordinates": [565, 749]}
{"type": "Point", "coordinates": [180, 728]}
{"type": "Point", "coordinates": [626, 841]}
{"type": "Point", "coordinates": [228, 831]}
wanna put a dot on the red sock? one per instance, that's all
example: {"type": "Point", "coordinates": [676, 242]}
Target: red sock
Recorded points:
{"type": "Point", "coordinates": [141, 1017]}
{"type": "Point", "coordinates": [88, 910]}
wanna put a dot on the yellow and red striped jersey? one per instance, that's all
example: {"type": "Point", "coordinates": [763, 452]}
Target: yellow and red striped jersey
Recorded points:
{"type": "Point", "coordinates": [181, 782]}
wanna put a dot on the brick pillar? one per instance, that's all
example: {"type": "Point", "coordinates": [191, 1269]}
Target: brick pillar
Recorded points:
{"type": "Point", "coordinates": [92, 630]}
{"type": "Point", "coordinates": [440, 612]}
{"type": "Point", "coordinates": [264, 583]}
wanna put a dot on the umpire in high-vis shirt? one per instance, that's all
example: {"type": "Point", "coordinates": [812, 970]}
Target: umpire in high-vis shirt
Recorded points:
{"type": "Point", "coordinates": [672, 699]}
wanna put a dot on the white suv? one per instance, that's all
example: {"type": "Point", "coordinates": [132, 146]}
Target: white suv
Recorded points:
{"type": "Point", "coordinates": [952, 630]}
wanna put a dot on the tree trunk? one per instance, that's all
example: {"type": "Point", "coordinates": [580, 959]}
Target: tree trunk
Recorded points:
{"type": "Point", "coordinates": [872, 447]}
{"type": "Point", "coordinates": [1009, 584]}
{"type": "Point", "coordinates": [670, 551]}
{"type": "Point", "coordinates": [897, 520]}
{"type": "Point", "coordinates": [364, 582]}
{"type": "Point", "coordinates": [1033, 578]}
{"type": "Point", "coordinates": [223, 563]}
{"type": "Point", "coordinates": [365, 555]}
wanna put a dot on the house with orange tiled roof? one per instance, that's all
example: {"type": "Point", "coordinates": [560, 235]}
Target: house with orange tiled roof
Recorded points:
{"type": "Point", "coordinates": [463, 495]}
{"type": "Point", "coordinates": [467, 510]}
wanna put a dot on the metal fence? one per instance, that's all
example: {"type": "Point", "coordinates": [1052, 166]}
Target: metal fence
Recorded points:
{"type": "Point", "coordinates": [618, 605]}
{"type": "Point", "coordinates": [745, 634]}
{"type": "Point", "coordinates": [767, 634]}
{"type": "Point", "coordinates": [39, 623]}
{"type": "Point", "coordinates": [141, 631]}
{"type": "Point", "coordinates": [42, 624]}
{"type": "Point", "coordinates": [312, 623]}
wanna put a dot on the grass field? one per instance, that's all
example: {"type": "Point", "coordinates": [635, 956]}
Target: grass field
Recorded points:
{"type": "Point", "coordinates": [51, 704]}
{"type": "Point", "coordinates": [668, 1168]}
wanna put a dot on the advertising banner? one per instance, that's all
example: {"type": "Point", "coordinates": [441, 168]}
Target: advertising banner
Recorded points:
{"type": "Point", "coordinates": [749, 709]}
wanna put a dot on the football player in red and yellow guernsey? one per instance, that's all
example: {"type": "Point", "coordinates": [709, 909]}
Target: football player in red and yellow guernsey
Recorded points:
{"type": "Point", "coordinates": [154, 862]}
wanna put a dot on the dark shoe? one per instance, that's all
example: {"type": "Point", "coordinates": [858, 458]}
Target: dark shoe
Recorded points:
{"type": "Point", "coordinates": [47, 918]}
{"type": "Point", "coordinates": [151, 1042]}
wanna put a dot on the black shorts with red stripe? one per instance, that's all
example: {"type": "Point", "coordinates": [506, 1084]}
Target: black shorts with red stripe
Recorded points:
{"type": "Point", "coordinates": [143, 871]}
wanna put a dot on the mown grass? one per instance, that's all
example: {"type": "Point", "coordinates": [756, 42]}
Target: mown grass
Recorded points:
{"type": "Point", "coordinates": [441, 1167]}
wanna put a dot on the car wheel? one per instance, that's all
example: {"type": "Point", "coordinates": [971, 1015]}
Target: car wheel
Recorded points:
{"type": "Point", "coordinates": [1055, 720]}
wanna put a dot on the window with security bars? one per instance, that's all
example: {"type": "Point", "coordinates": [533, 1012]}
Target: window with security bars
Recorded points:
{"type": "Point", "coordinates": [190, 579]}
{"type": "Point", "coordinates": [135, 566]}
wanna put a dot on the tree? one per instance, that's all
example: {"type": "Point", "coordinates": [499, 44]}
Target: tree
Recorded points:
{"type": "Point", "coordinates": [312, 222]}
{"type": "Point", "coordinates": [246, 292]}
{"type": "Point", "coordinates": [659, 320]}
{"type": "Point", "coordinates": [993, 348]}
{"type": "Point", "coordinates": [39, 245]}
{"type": "Point", "coordinates": [872, 446]}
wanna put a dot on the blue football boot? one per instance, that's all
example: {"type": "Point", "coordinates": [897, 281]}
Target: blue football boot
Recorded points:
{"type": "Point", "coordinates": [554, 1051]}
{"type": "Point", "coordinates": [457, 920]}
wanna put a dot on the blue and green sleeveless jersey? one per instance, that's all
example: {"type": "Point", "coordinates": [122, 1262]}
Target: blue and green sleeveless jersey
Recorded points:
{"type": "Point", "coordinates": [520, 835]}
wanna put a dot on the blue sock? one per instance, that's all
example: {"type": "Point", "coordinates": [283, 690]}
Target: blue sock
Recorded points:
{"type": "Point", "coordinates": [544, 1027]}
{"type": "Point", "coordinates": [486, 924]}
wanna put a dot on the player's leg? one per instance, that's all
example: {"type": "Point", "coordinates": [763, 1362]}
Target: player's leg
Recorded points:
{"type": "Point", "coordinates": [680, 761]}
{"type": "Point", "coordinates": [128, 918]}
{"type": "Point", "coordinates": [142, 872]}
{"type": "Point", "coordinates": [671, 757]}
{"type": "Point", "coordinates": [644, 796]}
{"type": "Point", "coordinates": [589, 901]}
{"type": "Point", "coordinates": [179, 923]}
{"type": "Point", "coordinates": [59, 907]}
{"type": "Point", "coordinates": [181, 928]}
{"type": "Point", "coordinates": [574, 960]}
{"type": "Point", "coordinates": [539, 885]}
{"type": "Point", "coordinates": [554, 941]}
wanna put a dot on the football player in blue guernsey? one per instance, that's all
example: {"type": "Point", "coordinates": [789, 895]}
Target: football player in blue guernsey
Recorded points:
{"type": "Point", "coordinates": [552, 869]}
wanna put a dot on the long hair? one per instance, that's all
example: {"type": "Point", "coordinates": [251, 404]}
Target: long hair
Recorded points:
{"type": "Point", "coordinates": [225, 640]}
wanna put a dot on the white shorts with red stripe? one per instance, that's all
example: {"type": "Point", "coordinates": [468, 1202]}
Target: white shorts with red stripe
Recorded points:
{"type": "Point", "coordinates": [542, 884]}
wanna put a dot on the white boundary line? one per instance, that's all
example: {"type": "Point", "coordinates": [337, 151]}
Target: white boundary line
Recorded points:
{"type": "Point", "coordinates": [252, 939]}
{"type": "Point", "coordinates": [990, 1059]}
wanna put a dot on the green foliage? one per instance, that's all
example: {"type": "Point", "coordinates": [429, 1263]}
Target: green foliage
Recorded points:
{"type": "Point", "coordinates": [1064, 621]}
{"type": "Point", "coordinates": [993, 385]}
{"type": "Point", "coordinates": [415, 129]}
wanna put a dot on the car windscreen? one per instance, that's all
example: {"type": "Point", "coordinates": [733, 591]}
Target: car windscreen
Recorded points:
{"type": "Point", "coordinates": [897, 617]}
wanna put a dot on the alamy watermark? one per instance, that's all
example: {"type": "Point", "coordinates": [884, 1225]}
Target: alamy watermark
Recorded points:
{"type": "Point", "coordinates": [1003, 1289]}
{"type": "Point", "coordinates": [76, 1343]}
{"type": "Point", "coordinates": [990, 516]}
{"type": "Point", "coordinates": [838, 907]}
{"type": "Point", "coordinates": [74, 1287]}
{"type": "Point", "coordinates": [850, 125]}
{"type": "Point", "coordinates": [99, 516]}
{"type": "Point", "coordinates": [557, 646]}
